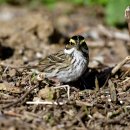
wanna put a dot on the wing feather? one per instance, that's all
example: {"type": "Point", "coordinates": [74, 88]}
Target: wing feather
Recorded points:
{"type": "Point", "coordinates": [59, 60]}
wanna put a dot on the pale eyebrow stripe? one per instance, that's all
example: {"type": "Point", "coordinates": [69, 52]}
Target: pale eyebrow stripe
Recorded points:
{"type": "Point", "coordinates": [82, 41]}
{"type": "Point", "coordinates": [71, 40]}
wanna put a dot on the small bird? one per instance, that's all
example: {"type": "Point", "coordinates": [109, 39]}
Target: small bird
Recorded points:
{"type": "Point", "coordinates": [69, 64]}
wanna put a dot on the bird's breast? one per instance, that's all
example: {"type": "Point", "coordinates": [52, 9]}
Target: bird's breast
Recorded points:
{"type": "Point", "coordinates": [77, 67]}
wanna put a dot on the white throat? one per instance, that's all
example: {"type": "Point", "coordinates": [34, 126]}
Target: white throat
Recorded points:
{"type": "Point", "coordinates": [69, 51]}
{"type": "Point", "coordinates": [77, 54]}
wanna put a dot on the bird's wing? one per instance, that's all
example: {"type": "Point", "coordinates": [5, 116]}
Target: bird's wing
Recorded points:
{"type": "Point", "coordinates": [59, 60]}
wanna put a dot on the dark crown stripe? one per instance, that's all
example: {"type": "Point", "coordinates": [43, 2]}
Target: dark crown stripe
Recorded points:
{"type": "Point", "coordinates": [78, 37]}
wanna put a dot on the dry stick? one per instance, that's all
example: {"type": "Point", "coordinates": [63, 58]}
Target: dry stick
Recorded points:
{"type": "Point", "coordinates": [45, 102]}
{"type": "Point", "coordinates": [10, 66]}
{"type": "Point", "coordinates": [113, 93]}
{"type": "Point", "coordinates": [117, 120]}
{"type": "Point", "coordinates": [119, 65]}
{"type": "Point", "coordinates": [20, 99]}
{"type": "Point", "coordinates": [81, 122]}
{"type": "Point", "coordinates": [127, 16]}
{"type": "Point", "coordinates": [80, 114]}
{"type": "Point", "coordinates": [81, 103]}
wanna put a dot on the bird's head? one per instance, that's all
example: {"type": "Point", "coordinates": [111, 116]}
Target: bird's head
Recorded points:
{"type": "Point", "coordinates": [77, 43]}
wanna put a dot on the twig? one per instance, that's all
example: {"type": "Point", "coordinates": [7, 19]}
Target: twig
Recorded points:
{"type": "Point", "coordinates": [81, 103]}
{"type": "Point", "coordinates": [81, 122]}
{"type": "Point", "coordinates": [64, 86]}
{"type": "Point", "coordinates": [97, 85]}
{"type": "Point", "coordinates": [20, 99]}
{"type": "Point", "coordinates": [127, 16]}
{"type": "Point", "coordinates": [45, 102]}
{"type": "Point", "coordinates": [117, 120]}
{"type": "Point", "coordinates": [79, 115]}
{"type": "Point", "coordinates": [5, 70]}
{"type": "Point", "coordinates": [5, 101]}
{"type": "Point", "coordinates": [112, 91]}
{"type": "Point", "coordinates": [11, 113]}
{"type": "Point", "coordinates": [106, 81]}
{"type": "Point", "coordinates": [9, 66]}
{"type": "Point", "coordinates": [119, 65]}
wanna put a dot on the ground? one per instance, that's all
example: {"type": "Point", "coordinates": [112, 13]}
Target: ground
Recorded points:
{"type": "Point", "coordinates": [99, 100]}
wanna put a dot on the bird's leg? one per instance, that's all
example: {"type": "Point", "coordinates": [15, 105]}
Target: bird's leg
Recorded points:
{"type": "Point", "coordinates": [57, 83]}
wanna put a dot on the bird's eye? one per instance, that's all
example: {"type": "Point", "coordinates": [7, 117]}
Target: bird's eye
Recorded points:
{"type": "Point", "coordinates": [71, 43]}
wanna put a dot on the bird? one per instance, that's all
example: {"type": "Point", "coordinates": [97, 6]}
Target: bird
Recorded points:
{"type": "Point", "coordinates": [69, 64]}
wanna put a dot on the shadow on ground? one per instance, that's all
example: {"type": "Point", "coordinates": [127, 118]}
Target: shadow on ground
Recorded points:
{"type": "Point", "coordinates": [6, 52]}
{"type": "Point", "coordinates": [87, 81]}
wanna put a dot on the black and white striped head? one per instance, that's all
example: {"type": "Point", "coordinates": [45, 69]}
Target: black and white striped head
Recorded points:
{"type": "Point", "coordinates": [77, 42]}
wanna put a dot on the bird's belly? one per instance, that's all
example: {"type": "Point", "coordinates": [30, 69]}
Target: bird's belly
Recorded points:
{"type": "Point", "coordinates": [74, 73]}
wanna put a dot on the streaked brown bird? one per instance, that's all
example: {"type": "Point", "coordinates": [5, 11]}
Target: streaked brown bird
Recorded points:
{"type": "Point", "coordinates": [69, 64]}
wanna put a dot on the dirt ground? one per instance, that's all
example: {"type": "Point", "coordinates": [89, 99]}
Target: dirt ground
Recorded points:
{"type": "Point", "coordinates": [100, 100]}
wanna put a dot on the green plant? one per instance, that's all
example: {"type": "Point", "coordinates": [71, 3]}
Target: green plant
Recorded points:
{"type": "Point", "coordinates": [94, 2]}
{"type": "Point", "coordinates": [3, 1]}
{"type": "Point", "coordinates": [49, 3]}
{"type": "Point", "coordinates": [115, 11]}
